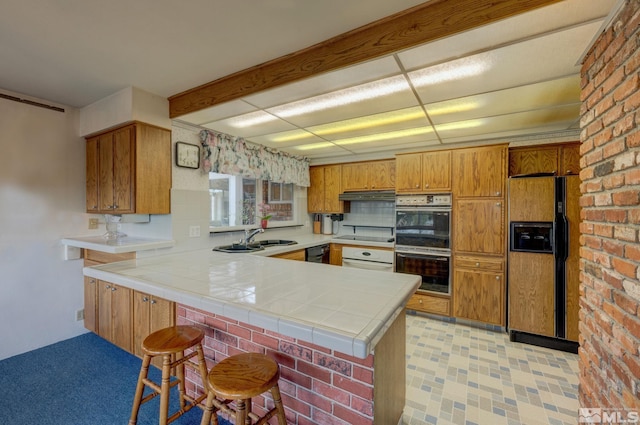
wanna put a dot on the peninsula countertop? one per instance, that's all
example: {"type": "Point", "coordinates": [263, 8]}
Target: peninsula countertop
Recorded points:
{"type": "Point", "coordinates": [344, 309]}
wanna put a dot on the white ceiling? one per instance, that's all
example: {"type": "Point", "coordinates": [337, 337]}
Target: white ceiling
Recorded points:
{"type": "Point", "coordinates": [518, 78]}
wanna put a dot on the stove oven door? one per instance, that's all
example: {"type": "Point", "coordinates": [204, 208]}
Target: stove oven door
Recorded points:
{"type": "Point", "coordinates": [435, 269]}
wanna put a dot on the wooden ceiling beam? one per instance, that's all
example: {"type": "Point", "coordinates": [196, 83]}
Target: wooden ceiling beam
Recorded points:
{"type": "Point", "coordinates": [415, 26]}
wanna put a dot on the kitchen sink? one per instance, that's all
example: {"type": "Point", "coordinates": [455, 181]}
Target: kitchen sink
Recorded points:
{"type": "Point", "coordinates": [236, 247]}
{"type": "Point", "coordinates": [254, 246]}
{"type": "Point", "coordinates": [275, 242]}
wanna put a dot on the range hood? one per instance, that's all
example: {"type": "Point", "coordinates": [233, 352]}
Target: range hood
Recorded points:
{"type": "Point", "coordinates": [383, 195]}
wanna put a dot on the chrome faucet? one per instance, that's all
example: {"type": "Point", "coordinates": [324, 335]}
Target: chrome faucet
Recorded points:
{"type": "Point", "coordinates": [249, 235]}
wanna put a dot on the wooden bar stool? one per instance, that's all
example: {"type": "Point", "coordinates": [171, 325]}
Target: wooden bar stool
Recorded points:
{"type": "Point", "coordinates": [239, 378]}
{"type": "Point", "coordinates": [170, 343]}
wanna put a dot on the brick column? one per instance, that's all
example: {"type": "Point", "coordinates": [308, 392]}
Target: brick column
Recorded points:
{"type": "Point", "coordinates": [610, 253]}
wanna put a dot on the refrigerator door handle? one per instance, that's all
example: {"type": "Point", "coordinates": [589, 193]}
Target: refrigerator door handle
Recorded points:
{"type": "Point", "coordinates": [562, 238]}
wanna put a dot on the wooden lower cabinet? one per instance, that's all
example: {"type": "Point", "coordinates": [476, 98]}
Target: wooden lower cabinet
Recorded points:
{"type": "Point", "coordinates": [478, 289]}
{"type": "Point", "coordinates": [150, 314]}
{"type": "Point", "coordinates": [428, 303]}
{"type": "Point", "coordinates": [335, 254]}
{"type": "Point", "coordinates": [298, 255]}
{"type": "Point", "coordinates": [114, 314]}
{"type": "Point", "coordinates": [91, 303]}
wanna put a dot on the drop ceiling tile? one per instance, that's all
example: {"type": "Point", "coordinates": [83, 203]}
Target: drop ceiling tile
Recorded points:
{"type": "Point", "coordinates": [396, 146]}
{"type": "Point", "coordinates": [546, 94]}
{"type": "Point", "coordinates": [317, 150]}
{"type": "Point", "coordinates": [540, 59]}
{"type": "Point", "coordinates": [562, 116]}
{"type": "Point", "coordinates": [414, 135]}
{"type": "Point", "coordinates": [546, 19]}
{"type": "Point", "coordinates": [327, 82]}
{"type": "Point", "coordinates": [240, 125]}
{"type": "Point", "coordinates": [218, 112]}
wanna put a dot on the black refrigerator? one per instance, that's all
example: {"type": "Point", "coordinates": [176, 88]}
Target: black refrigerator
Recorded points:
{"type": "Point", "coordinates": [543, 261]}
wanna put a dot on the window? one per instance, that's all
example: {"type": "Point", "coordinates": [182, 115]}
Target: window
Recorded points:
{"type": "Point", "coordinates": [235, 202]}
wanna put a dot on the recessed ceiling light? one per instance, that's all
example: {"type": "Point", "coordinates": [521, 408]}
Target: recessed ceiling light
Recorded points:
{"type": "Point", "coordinates": [385, 136]}
{"type": "Point", "coordinates": [343, 97]}
{"type": "Point", "coordinates": [313, 146]}
{"type": "Point", "coordinates": [250, 119]}
{"type": "Point", "coordinates": [371, 121]}
{"type": "Point", "coordinates": [459, 125]}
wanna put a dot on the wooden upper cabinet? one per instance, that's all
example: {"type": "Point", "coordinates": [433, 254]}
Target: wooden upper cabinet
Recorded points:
{"type": "Point", "coordinates": [563, 159]}
{"type": "Point", "coordinates": [129, 171]}
{"type": "Point", "coordinates": [570, 159]}
{"type": "Point", "coordinates": [479, 172]}
{"type": "Point", "coordinates": [423, 172]}
{"type": "Point", "coordinates": [322, 195]}
{"type": "Point", "coordinates": [372, 175]}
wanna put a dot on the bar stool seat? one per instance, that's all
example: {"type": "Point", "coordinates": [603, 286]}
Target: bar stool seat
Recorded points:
{"type": "Point", "coordinates": [238, 379]}
{"type": "Point", "coordinates": [170, 343]}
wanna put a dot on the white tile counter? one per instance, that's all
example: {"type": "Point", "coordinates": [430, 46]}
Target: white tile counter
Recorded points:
{"type": "Point", "coordinates": [118, 246]}
{"type": "Point", "coordinates": [344, 309]}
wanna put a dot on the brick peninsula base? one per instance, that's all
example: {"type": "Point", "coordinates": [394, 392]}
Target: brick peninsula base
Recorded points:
{"type": "Point", "coordinates": [318, 385]}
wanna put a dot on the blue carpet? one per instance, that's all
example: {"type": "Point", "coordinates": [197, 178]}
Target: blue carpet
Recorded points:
{"type": "Point", "coordinates": [80, 381]}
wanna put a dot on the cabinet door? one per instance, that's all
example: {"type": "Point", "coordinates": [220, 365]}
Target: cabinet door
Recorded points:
{"type": "Point", "coordinates": [92, 159]}
{"type": "Point", "coordinates": [335, 254]}
{"type": "Point", "coordinates": [533, 160]}
{"type": "Point", "coordinates": [105, 169]}
{"type": "Point", "coordinates": [104, 310]}
{"type": "Point", "coordinates": [479, 172]}
{"type": "Point", "coordinates": [298, 255]}
{"type": "Point", "coordinates": [90, 303]}
{"type": "Point", "coordinates": [315, 192]}
{"type": "Point", "coordinates": [531, 292]}
{"type": "Point", "coordinates": [478, 226]}
{"type": "Point", "coordinates": [436, 171]}
{"type": "Point", "coordinates": [478, 295]}
{"type": "Point", "coordinates": [141, 323]}
{"type": "Point", "coordinates": [409, 173]}
{"type": "Point", "coordinates": [355, 177]}
{"type": "Point", "coordinates": [429, 304]}
{"type": "Point", "coordinates": [382, 175]}
{"type": "Point", "coordinates": [121, 316]}
{"type": "Point", "coordinates": [123, 171]}
{"type": "Point", "coordinates": [570, 160]}
{"type": "Point", "coordinates": [332, 181]}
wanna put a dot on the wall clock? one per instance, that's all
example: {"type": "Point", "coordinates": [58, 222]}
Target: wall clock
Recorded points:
{"type": "Point", "coordinates": [187, 155]}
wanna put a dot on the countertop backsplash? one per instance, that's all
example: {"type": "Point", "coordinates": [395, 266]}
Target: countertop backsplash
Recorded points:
{"type": "Point", "coordinates": [369, 218]}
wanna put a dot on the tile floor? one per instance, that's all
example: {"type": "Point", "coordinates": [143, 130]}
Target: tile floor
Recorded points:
{"type": "Point", "coordinates": [457, 374]}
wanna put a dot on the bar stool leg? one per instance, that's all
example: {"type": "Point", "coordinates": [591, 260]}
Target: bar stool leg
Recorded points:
{"type": "Point", "coordinates": [277, 400]}
{"type": "Point", "coordinates": [202, 364]}
{"type": "Point", "coordinates": [165, 388]}
{"type": "Point", "coordinates": [210, 416]}
{"type": "Point", "coordinates": [144, 371]}
{"type": "Point", "coordinates": [241, 412]}
{"type": "Point", "coordinates": [180, 375]}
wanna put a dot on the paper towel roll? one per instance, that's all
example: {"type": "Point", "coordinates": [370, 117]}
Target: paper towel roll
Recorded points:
{"type": "Point", "coordinates": [327, 225]}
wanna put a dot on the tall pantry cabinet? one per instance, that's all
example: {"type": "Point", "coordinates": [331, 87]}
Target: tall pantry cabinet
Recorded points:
{"type": "Point", "coordinates": [478, 237]}
{"type": "Point", "coordinates": [128, 170]}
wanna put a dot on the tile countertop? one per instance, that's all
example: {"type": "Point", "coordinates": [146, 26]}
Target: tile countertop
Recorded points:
{"type": "Point", "coordinates": [344, 309]}
{"type": "Point", "coordinates": [126, 244]}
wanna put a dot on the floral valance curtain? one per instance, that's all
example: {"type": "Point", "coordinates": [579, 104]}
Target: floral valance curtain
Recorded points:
{"type": "Point", "coordinates": [226, 154]}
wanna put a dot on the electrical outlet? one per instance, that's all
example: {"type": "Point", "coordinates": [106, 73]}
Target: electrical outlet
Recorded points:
{"type": "Point", "coordinates": [194, 231]}
{"type": "Point", "coordinates": [93, 223]}
{"type": "Point", "coordinates": [80, 314]}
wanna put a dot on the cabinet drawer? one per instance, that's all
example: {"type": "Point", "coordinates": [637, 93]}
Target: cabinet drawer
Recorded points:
{"type": "Point", "coordinates": [489, 264]}
{"type": "Point", "coordinates": [429, 304]}
{"type": "Point", "coordinates": [105, 257]}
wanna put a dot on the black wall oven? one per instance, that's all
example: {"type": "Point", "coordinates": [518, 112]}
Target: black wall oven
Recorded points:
{"type": "Point", "coordinates": [423, 239]}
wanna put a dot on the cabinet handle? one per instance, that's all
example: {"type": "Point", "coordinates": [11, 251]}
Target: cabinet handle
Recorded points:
{"type": "Point", "coordinates": [477, 264]}
{"type": "Point", "coordinates": [113, 288]}
{"type": "Point", "coordinates": [498, 204]}
{"type": "Point", "coordinates": [417, 186]}
{"type": "Point", "coordinates": [420, 301]}
{"type": "Point", "coordinates": [92, 281]}
{"type": "Point", "coordinates": [497, 193]}
{"type": "Point", "coordinates": [107, 287]}
{"type": "Point", "coordinates": [497, 277]}
{"type": "Point", "coordinates": [145, 299]}
{"type": "Point", "coordinates": [426, 185]}
{"type": "Point", "coordinates": [153, 301]}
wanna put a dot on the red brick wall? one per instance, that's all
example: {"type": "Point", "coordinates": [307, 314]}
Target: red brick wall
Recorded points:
{"type": "Point", "coordinates": [610, 253]}
{"type": "Point", "coordinates": [318, 386]}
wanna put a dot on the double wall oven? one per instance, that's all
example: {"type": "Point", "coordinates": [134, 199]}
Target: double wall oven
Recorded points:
{"type": "Point", "coordinates": [423, 239]}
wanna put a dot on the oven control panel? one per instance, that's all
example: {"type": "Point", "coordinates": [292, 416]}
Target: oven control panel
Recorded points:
{"type": "Point", "coordinates": [441, 200]}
